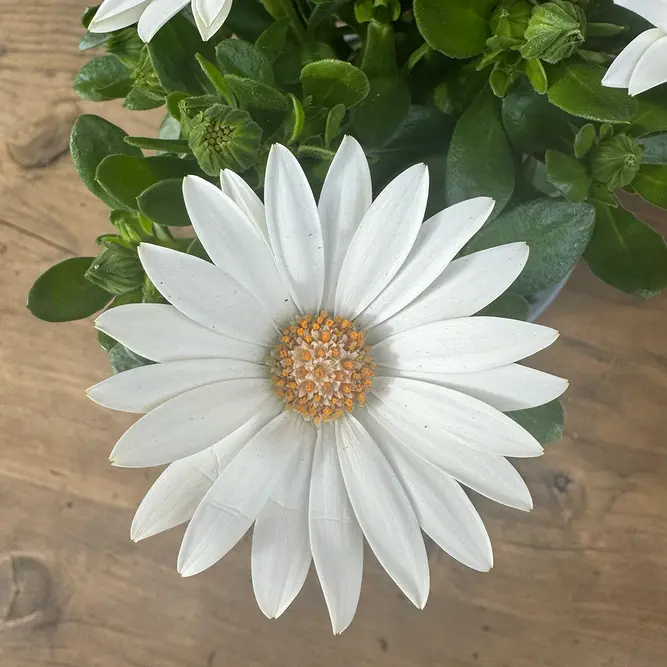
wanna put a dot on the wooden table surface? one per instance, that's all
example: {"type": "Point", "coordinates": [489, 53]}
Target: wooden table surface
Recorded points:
{"type": "Point", "coordinates": [579, 582]}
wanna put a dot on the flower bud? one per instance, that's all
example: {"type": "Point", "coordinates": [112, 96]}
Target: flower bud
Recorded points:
{"type": "Point", "coordinates": [555, 31]}
{"type": "Point", "coordinates": [510, 18]}
{"type": "Point", "coordinates": [145, 79]}
{"type": "Point", "coordinates": [126, 45]}
{"type": "Point", "coordinates": [223, 137]}
{"type": "Point", "coordinates": [116, 269]}
{"type": "Point", "coordinates": [615, 162]}
{"type": "Point", "coordinates": [189, 108]}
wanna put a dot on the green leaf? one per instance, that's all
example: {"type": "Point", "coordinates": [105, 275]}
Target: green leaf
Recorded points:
{"type": "Point", "coordinates": [164, 145]}
{"type": "Point", "coordinates": [655, 148]}
{"type": "Point", "coordinates": [424, 132]}
{"type": "Point", "coordinates": [546, 423]}
{"type": "Point", "coordinates": [295, 119]}
{"type": "Point", "coordinates": [537, 76]}
{"type": "Point", "coordinates": [332, 82]}
{"type": "Point", "coordinates": [457, 28]}
{"type": "Point", "coordinates": [93, 139]}
{"type": "Point", "coordinates": [627, 254]}
{"type": "Point", "coordinates": [557, 233]}
{"type": "Point", "coordinates": [214, 75]}
{"type": "Point", "coordinates": [125, 177]}
{"type": "Point", "coordinates": [651, 112]}
{"type": "Point", "coordinates": [163, 203]}
{"type": "Point", "coordinates": [577, 89]}
{"type": "Point", "coordinates": [234, 56]}
{"type": "Point", "coordinates": [101, 79]}
{"type": "Point", "coordinates": [272, 41]}
{"type": "Point", "coordinates": [267, 106]}
{"type": "Point", "coordinates": [289, 65]}
{"type": "Point", "coordinates": [569, 175]}
{"type": "Point", "coordinates": [333, 125]}
{"type": "Point", "coordinates": [510, 305]}
{"type": "Point", "coordinates": [377, 118]}
{"type": "Point", "coordinates": [532, 124]}
{"type": "Point", "coordinates": [172, 51]}
{"type": "Point", "coordinates": [122, 359]}
{"type": "Point", "coordinates": [138, 100]}
{"type": "Point", "coordinates": [585, 141]}
{"type": "Point", "coordinates": [62, 294]}
{"type": "Point", "coordinates": [651, 183]}
{"type": "Point", "coordinates": [248, 19]}
{"type": "Point", "coordinates": [480, 161]}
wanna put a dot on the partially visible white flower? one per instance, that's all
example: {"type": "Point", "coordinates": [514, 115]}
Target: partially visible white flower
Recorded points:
{"type": "Point", "coordinates": [642, 65]}
{"type": "Point", "coordinates": [151, 15]}
{"type": "Point", "coordinates": [326, 380]}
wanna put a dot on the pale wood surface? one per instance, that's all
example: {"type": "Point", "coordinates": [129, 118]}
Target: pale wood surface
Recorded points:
{"type": "Point", "coordinates": [579, 582]}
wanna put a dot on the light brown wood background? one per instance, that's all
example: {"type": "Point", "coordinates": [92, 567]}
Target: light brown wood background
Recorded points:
{"type": "Point", "coordinates": [579, 582]}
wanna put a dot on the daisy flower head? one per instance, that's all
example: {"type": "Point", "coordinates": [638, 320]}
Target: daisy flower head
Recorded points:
{"type": "Point", "coordinates": [151, 15]}
{"type": "Point", "coordinates": [642, 65]}
{"type": "Point", "coordinates": [325, 379]}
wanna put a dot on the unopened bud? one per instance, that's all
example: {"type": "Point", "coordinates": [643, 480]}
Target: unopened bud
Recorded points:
{"type": "Point", "coordinates": [116, 269]}
{"type": "Point", "coordinates": [616, 162]}
{"type": "Point", "coordinates": [510, 18]}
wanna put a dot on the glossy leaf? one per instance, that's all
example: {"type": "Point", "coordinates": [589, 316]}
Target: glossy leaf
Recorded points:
{"type": "Point", "coordinates": [569, 175]}
{"type": "Point", "coordinates": [101, 79]}
{"type": "Point", "coordinates": [651, 184]}
{"type": "Point", "coordinates": [163, 203]}
{"type": "Point", "coordinates": [332, 82]}
{"type": "Point", "coordinates": [546, 423]}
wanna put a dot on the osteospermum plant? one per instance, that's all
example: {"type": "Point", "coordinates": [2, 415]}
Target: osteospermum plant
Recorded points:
{"type": "Point", "coordinates": [322, 274]}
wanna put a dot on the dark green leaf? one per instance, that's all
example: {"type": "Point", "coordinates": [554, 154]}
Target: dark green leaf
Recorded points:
{"type": "Point", "coordinates": [627, 254]}
{"type": "Point", "coordinates": [272, 41]}
{"type": "Point", "coordinates": [332, 82]}
{"type": "Point", "coordinates": [510, 305]}
{"type": "Point", "coordinates": [138, 100]}
{"type": "Point", "coordinates": [267, 106]}
{"type": "Point", "coordinates": [545, 423]}
{"type": "Point", "coordinates": [334, 122]}
{"type": "Point", "coordinates": [62, 294]}
{"type": "Point", "coordinates": [557, 233]}
{"type": "Point", "coordinates": [103, 78]}
{"type": "Point", "coordinates": [289, 65]}
{"type": "Point", "coordinates": [585, 141]}
{"type": "Point", "coordinates": [651, 183]}
{"type": "Point", "coordinates": [480, 161]}
{"type": "Point", "coordinates": [532, 124]}
{"type": "Point", "coordinates": [125, 177]}
{"type": "Point", "coordinates": [172, 51]}
{"type": "Point", "coordinates": [577, 89]}
{"type": "Point", "coordinates": [215, 76]}
{"type": "Point", "coordinates": [457, 28]}
{"type": "Point", "coordinates": [93, 139]}
{"type": "Point", "coordinates": [378, 117]}
{"type": "Point", "coordinates": [655, 148]}
{"type": "Point", "coordinates": [163, 203]}
{"type": "Point", "coordinates": [248, 19]}
{"type": "Point", "coordinates": [234, 56]}
{"type": "Point", "coordinates": [569, 175]}
{"type": "Point", "coordinates": [651, 112]}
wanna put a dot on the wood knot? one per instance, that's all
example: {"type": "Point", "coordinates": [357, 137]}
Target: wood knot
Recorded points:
{"type": "Point", "coordinates": [27, 598]}
{"type": "Point", "coordinates": [39, 137]}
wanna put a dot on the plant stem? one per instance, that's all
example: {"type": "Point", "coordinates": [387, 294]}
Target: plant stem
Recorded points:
{"type": "Point", "coordinates": [284, 9]}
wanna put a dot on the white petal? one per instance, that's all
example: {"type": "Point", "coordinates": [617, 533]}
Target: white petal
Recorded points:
{"type": "Point", "coordinates": [207, 294]}
{"type": "Point", "coordinates": [507, 388]}
{"type": "Point", "coordinates": [455, 418]}
{"type": "Point", "coordinates": [651, 70]}
{"type": "Point", "coordinates": [246, 199]}
{"type": "Point", "coordinates": [654, 11]}
{"type": "Point", "coordinates": [174, 496]}
{"type": "Point", "coordinates": [242, 490]}
{"type": "Point", "coordinates": [439, 240]}
{"type": "Point", "coordinates": [491, 475]}
{"type": "Point", "coordinates": [144, 388]}
{"type": "Point", "coordinates": [383, 510]}
{"type": "Point", "coordinates": [382, 241]}
{"type": "Point", "coordinates": [620, 71]}
{"type": "Point", "coordinates": [234, 244]}
{"type": "Point", "coordinates": [294, 228]}
{"type": "Point", "coordinates": [162, 333]}
{"type": "Point", "coordinates": [465, 345]}
{"type": "Point", "coordinates": [191, 422]}
{"type": "Point", "coordinates": [280, 545]}
{"type": "Point", "coordinates": [208, 28]}
{"type": "Point", "coordinates": [465, 287]}
{"type": "Point", "coordinates": [156, 15]}
{"type": "Point", "coordinates": [442, 507]}
{"type": "Point", "coordinates": [117, 14]}
{"type": "Point", "coordinates": [336, 539]}
{"type": "Point", "coordinates": [346, 195]}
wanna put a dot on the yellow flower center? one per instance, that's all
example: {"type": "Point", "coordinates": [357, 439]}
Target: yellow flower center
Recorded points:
{"type": "Point", "coordinates": [321, 367]}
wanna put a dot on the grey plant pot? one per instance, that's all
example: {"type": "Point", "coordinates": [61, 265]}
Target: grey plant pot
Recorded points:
{"type": "Point", "coordinates": [542, 300]}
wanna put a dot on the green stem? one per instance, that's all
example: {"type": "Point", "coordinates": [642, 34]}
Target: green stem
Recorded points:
{"type": "Point", "coordinates": [284, 9]}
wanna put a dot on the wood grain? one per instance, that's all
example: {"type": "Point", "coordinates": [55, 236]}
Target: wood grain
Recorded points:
{"type": "Point", "coordinates": [579, 582]}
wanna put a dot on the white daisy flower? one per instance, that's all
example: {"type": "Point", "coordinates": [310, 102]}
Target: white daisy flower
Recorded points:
{"type": "Point", "coordinates": [324, 380]}
{"type": "Point", "coordinates": [642, 65]}
{"type": "Point", "coordinates": [151, 15]}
